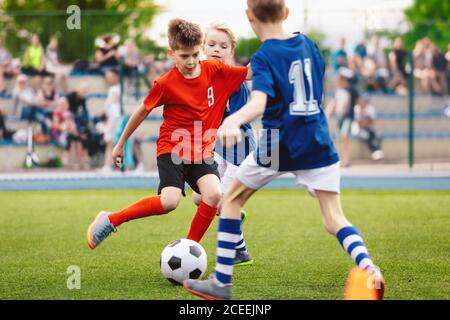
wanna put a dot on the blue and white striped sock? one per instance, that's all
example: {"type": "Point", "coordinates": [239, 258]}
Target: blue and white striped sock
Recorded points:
{"type": "Point", "coordinates": [240, 246]}
{"type": "Point", "coordinates": [228, 237]}
{"type": "Point", "coordinates": [352, 242]}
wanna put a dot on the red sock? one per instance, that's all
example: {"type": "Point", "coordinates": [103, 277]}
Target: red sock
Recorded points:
{"type": "Point", "coordinates": [143, 208]}
{"type": "Point", "coordinates": [202, 219]}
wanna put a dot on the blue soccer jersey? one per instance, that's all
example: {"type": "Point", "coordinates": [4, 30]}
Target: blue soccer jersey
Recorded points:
{"type": "Point", "coordinates": [296, 134]}
{"type": "Point", "coordinates": [240, 151]}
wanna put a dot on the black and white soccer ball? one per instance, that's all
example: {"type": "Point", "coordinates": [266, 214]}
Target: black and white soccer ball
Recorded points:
{"type": "Point", "coordinates": [183, 259]}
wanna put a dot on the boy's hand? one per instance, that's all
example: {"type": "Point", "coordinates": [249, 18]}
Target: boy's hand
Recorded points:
{"type": "Point", "coordinates": [117, 156]}
{"type": "Point", "coordinates": [229, 133]}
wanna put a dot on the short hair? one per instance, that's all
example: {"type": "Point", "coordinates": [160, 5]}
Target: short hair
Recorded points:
{"type": "Point", "coordinates": [223, 27]}
{"type": "Point", "coordinates": [184, 34]}
{"type": "Point", "coordinates": [267, 10]}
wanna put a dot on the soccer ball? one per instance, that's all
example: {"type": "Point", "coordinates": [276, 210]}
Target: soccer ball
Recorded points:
{"type": "Point", "coordinates": [183, 259]}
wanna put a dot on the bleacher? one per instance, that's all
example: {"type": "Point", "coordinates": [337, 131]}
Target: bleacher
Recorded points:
{"type": "Point", "coordinates": [432, 127]}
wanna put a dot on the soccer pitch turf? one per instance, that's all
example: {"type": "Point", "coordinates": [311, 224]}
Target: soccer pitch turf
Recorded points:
{"type": "Point", "coordinates": [43, 233]}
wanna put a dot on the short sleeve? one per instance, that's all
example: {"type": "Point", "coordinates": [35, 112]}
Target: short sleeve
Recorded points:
{"type": "Point", "coordinates": [155, 97]}
{"type": "Point", "coordinates": [262, 76]}
{"type": "Point", "coordinates": [234, 76]}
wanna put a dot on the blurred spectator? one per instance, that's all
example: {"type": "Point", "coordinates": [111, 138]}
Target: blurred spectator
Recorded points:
{"type": "Point", "coordinates": [47, 95]}
{"type": "Point", "coordinates": [7, 66]}
{"type": "Point", "coordinates": [364, 127]}
{"type": "Point", "coordinates": [376, 70]}
{"type": "Point", "coordinates": [357, 60]}
{"type": "Point", "coordinates": [26, 104]}
{"type": "Point", "coordinates": [54, 67]}
{"type": "Point", "coordinates": [106, 56]}
{"type": "Point", "coordinates": [131, 60]}
{"type": "Point", "coordinates": [439, 68]}
{"type": "Point", "coordinates": [339, 57]}
{"type": "Point", "coordinates": [423, 64]}
{"type": "Point", "coordinates": [342, 105]}
{"type": "Point", "coordinates": [33, 60]}
{"type": "Point", "coordinates": [5, 134]}
{"type": "Point", "coordinates": [77, 105]}
{"type": "Point", "coordinates": [397, 64]}
{"type": "Point", "coordinates": [100, 129]}
{"type": "Point", "coordinates": [154, 68]}
{"type": "Point", "coordinates": [113, 113]}
{"type": "Point", "coordinates": [64, 133]}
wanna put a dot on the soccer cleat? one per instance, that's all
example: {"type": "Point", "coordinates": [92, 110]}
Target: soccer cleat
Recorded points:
{"type": "Point", "coordinates": [208, 289]}
{"type": "Point", "coordinates": [99, 230]}
{"type": "Point", "coordinates": [377, 281]}
{"type": "Point", "coordinates": [367, 284]}
{"type": "Point", "coordinates": [243, 258]}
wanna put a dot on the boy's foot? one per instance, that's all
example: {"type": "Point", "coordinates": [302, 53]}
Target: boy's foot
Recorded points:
{"type": "Point", "coordinates": [208, 289]}
{"type": "Point", "coordinates": [243, 258]}
{"type": "Point", "coordinates": [367, 284]}
{"type": "Point", "coordinates": [99, 230]}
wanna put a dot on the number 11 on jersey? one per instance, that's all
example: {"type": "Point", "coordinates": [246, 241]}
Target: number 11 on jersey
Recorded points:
{"type": "Point", "coordinates": [302, 106]}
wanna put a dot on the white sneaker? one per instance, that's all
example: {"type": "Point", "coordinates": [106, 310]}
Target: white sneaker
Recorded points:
{"type": "Point", "coordinates": [377, 155]}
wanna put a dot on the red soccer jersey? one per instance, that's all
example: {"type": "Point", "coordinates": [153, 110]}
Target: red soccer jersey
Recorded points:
{"type": "Point", "coordinates": [193, 108]}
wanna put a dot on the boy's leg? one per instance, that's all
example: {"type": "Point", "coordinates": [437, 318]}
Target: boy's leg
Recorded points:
{"type": "Point", "coordinates": [171, 187]}
{"type": "Point", "coordinates": [349, 237]}
{"type": "Point", "coordinates": [106, 222]}
{"type": "Point", "coordinates": [150, 206]}
{"type": "Point", "coordinates": [211, 195]}
{"type": "Point", "coordinates": [243, 257]}
{"type": "Point", "coordinates": [250, 177]}
{"type": "Point", "coordinates": [218, 287]}
{"type": "Point", "coordinates": [196, 198]}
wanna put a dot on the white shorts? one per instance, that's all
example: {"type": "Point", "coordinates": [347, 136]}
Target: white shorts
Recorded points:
{"type": "Point", "coordinates": [323, 179]}
{"type": "Point", "coordinates": [227, 172]}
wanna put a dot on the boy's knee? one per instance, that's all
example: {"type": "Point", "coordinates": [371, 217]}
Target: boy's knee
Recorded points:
{"type": "Point", "coordinates": [212, 198]}
{"type": "Point", "coordinates": [170, 203]}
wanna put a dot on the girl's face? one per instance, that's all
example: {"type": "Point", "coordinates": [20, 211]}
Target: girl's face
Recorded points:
{"type": "Point", "coordinates": [218, 46]}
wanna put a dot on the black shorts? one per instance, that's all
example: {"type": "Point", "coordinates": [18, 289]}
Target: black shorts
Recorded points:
{"type": "Point", "coordinates": [176, 174]}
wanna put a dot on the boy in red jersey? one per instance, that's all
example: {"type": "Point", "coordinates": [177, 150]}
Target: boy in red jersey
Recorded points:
{"type": "Point", "coordinates": [194, 95]}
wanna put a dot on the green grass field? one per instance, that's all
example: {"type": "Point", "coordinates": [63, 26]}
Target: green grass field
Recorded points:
{"type": "Point", "coordinates": [43, 233]}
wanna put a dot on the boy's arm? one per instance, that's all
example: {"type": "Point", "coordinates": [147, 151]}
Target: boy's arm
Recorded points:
{"type": "Point", "coordinates": [250, 72]}
{"type": "Point", "coordinates": [229, 132]}
{"type": "Point", "coordinates": [135, 120]}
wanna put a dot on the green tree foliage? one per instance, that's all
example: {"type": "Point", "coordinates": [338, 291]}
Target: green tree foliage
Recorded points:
{"type": "Point", "coordinates": [429, 18]}
{"type": "Point", "coordinates": [19, 19]}
{"type": "Point", "coordinates": [246, 47]}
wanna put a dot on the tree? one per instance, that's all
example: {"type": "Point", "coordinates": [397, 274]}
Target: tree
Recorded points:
{"type": "Point", "coordinates": [127, 18]}
{"type": "Point", "coordinates": [429, 18]}
{"type": "Point", "coordinates": [246, 47]}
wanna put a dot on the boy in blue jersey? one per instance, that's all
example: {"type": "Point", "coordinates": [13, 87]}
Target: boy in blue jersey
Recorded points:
{"type": "Point", "coordinates": [287, 91]}
{"type": "Point", "coordinates": [220, 43]}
